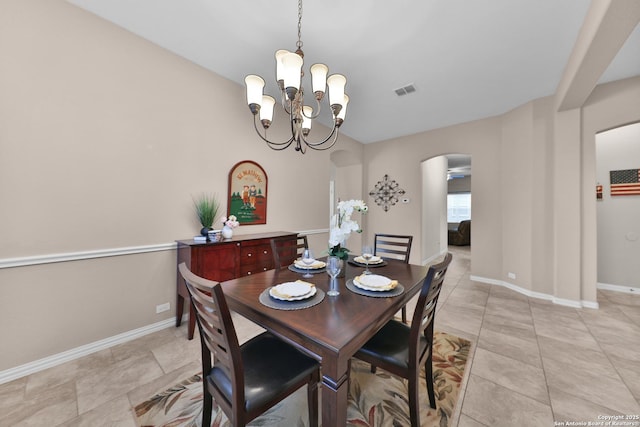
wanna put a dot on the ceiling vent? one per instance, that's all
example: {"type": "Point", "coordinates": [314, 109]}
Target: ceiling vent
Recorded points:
{"type": "Point", "coordinates": [405, 90]}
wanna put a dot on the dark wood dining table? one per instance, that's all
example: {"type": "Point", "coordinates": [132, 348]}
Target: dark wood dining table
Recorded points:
{"type": "Point", "coordinates": [331, 331]}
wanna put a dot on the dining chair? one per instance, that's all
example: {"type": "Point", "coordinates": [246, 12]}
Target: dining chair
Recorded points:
{"type": "Point", "coordinates": [402, 350]}
{"type": "Point", "coordinates": [394, 246]}
{"type": "Point", "coordinates": [287, 249]}
{"type": "Point", "coordinates": [245, 380]}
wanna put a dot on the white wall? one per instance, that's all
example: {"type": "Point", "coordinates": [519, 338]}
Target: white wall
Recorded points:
{"type": "Point", "coordinates": [618, 216]}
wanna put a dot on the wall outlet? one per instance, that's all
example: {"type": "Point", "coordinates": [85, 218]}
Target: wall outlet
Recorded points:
{"type": "Point", "coordinates": [163, 307]}
{"type": "Point", "coordinates": [511, 275]}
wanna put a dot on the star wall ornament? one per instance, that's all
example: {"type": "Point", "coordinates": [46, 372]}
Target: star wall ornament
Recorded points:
{"type": "Point", "coordinates": [386, 192]}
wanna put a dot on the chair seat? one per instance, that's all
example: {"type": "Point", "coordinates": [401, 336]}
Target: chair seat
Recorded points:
{"type": "Point", "coordinates": [389, 346]}
{"type": "Point", "coordinates": [271, 367]}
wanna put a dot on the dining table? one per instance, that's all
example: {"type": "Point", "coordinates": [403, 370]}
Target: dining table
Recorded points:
{"type": "Point", "coordinates": [333, 328]}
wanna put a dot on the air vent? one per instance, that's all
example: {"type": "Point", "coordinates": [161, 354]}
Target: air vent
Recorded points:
{"type": "Point", "coordinates": [405, 90]}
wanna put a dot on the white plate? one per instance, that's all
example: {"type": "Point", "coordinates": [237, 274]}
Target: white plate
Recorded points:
{"type": "Point", "coordinates": [316, 265]}
{"type": "Point", "coordinates": [373, 260]}
{"type": "Point", "coordinates": [374, 282]}
{"type": "Point", "coordinates": [279, 296]}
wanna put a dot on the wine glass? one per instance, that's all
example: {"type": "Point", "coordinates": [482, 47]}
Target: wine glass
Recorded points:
{"type": "Point", "coordinates": [367, 254]}
{"type": "Point", "coordinates": [308, 260]}
{"type": "Point", "coordinates": [334, 266]}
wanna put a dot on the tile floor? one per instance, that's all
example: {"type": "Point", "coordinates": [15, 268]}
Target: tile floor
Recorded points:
{"type": "Point", "coordinates": [535, 363]}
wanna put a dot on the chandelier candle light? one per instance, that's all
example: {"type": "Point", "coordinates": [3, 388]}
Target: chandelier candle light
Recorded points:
{"type": "Point", "coordinates": [288, 76]}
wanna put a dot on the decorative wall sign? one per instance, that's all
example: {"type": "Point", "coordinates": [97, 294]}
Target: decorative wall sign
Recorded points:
{"type": "Point", "coordinates": [386, 193]}
{"type": "Point", "coordinates": [625, 182]}
{"type": "Point", "coordinates": [248, 193]}
{"type": "Point", "coordinates": [598, 192]}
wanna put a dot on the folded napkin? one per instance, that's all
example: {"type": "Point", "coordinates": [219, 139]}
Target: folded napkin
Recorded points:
{"type": "Point", "coordinates": [362, 279]}
{"type": "Point", "coordinates": [374, 260]}
{"type": "Point", "coordinates": [316, 264]}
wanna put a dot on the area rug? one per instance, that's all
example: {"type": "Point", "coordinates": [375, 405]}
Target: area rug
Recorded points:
{"type": "Point", "coordinates": [378, 399]}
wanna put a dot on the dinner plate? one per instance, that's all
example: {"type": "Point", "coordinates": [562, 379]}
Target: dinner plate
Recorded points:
{"type": "Point", "coordinates": [374, 282]}
{"type": "Point", "coordinates": [292, 291]}
{"type": "Point", "coordinates": [374, 260]}
{"type": "Point", "coordinates": [315, 266]}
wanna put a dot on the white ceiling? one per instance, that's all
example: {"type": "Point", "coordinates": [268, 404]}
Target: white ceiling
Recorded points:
{"type": "Point", "coordinates": [467, 59]}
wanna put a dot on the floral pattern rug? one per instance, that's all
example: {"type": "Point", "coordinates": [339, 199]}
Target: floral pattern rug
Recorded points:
{"type": "Point", "coordinates": [375, 400]}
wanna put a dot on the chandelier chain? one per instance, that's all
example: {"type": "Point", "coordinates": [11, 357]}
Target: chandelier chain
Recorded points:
{"type": "Point", "coordinates": [299, 43]}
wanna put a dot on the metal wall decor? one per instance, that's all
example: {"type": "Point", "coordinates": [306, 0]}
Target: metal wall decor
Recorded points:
{"type": "Point", "coordinates": [386, 192]}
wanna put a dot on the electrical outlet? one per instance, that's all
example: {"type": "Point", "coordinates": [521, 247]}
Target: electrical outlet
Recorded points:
{"type": "Point", "coordinates": [511, 275]}
{"type": "Point", "coordinates": [163, 307]}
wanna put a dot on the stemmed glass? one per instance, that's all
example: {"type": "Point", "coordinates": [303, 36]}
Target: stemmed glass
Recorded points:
{"type": "Point", "coordinates": [367, 254]}
{"type": "Point", "coordinates": [334, 266]}
{"type": "Point", "coordinates": [308, 260]}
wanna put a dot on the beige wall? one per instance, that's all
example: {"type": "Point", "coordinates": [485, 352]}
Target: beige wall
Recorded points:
{"type": "Point", "coordinates": [104, 138]}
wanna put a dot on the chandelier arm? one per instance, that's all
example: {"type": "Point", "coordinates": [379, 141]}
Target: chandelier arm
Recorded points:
{"type": "Point", "coordinates": [318, 145]}
{"type": "Point", "coordinates": [273, 145]}
{"type": "Point", "coordinates": [284, 101]}
{"type": "Point", "coordinates": [318, 111]}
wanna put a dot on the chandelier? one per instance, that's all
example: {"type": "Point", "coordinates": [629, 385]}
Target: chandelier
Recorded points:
{"type": "Point", "coordinates": [289, 74]}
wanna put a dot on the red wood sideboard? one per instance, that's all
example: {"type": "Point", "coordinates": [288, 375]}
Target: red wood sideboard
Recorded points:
{"type": "Point", "coordinates": [224, 260]}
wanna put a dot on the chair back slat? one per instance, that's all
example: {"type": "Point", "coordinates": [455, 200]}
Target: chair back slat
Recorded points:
{"type": "Point", "coordinates": [424, 313]}
{"type": "Point", "coordinates": [394, 246]}
{"type": "Point", "coordinates": [217, 333]}
{"type": "Point", "coordinates": [287, 249]}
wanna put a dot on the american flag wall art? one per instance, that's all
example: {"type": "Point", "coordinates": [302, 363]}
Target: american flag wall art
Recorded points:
{"type": "Point", "coordinates": [625, 182]}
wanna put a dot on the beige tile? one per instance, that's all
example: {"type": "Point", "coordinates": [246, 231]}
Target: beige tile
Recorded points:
{"type": "Point", "coordinates": [574, 337]}
{"type": "Point", "coordinates": [493, 405]}
{"type": "Point", "coordinates": [142, 345]}
{"type": "Point", "coordinates": [590, 385]}
{"type": "Point", "coordinates": [53, 406]}
{"type": "Point", "coordinates": [462, 318]}
{"type": "Point", "coordinates": [588, 360]}
{"type": "Point", "coordinates": [567, 407]}
{"type": "Point", "coordinates": [512, 374]}
{"type": "Point", "coordinates": [117, 380]}
{"type": "Point", "coordinates": [506, 293]}
{"type": "Point", "coordinates": [11, 394]}
{"type": "Point", "coordinates": [616, 332]}
{"type": "Point", "coordinates": [629, 371]}
{"type": "Point", "coordinates": [465, 297]}
{"type": "Point", "coordinates": [514, 309]}
{"type": "Point", "coordinates": [632, 312]}
{"type": "Point", "coordinates": [114, 413]}
{"type": "Point", "coordinates": [69, 371]}
{"type": "Point", "coordinates": [145, 391]}
{"type": "Point", "coordinates": [513, 346]}
{"type": "Point", "coordinates": [466, 421]}
{"type": "Point", "coordinates": [565, 316]}
{"type": "Point", "coordinates": [508, 326]}
{"type": "Point", "coordinates": [172, 355]}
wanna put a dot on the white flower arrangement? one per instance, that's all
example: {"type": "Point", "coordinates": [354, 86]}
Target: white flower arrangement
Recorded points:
{"type": "Point", "coordinates": [342, 225]}
{"type": "Point", "coordinates": [231, 222]}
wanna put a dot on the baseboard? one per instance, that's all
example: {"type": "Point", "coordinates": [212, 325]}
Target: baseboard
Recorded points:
{"type": "Point", "coordinates": [618, 288]}
{"type": "Point", "coordinates": [75, 353]}
{"type": "Point", "coordinates": [538, 295]}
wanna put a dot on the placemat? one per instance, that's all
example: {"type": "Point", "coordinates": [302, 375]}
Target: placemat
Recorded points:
{"type": "Point", "coordinates": [358, 264]}
{"type": "Point", "coordinates": [305, 270]}
{"type": "Point", "coordinates": [398, 290]}
{"type": "Point", "coordinates": [267, 300]}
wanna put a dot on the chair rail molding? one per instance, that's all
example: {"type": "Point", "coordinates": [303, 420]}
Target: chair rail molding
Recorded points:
{"type": "Point", "coordinates": [76, 256]}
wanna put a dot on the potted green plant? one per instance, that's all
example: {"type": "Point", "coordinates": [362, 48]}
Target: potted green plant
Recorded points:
{"type": "Point", "coordinates": [207, 207]}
